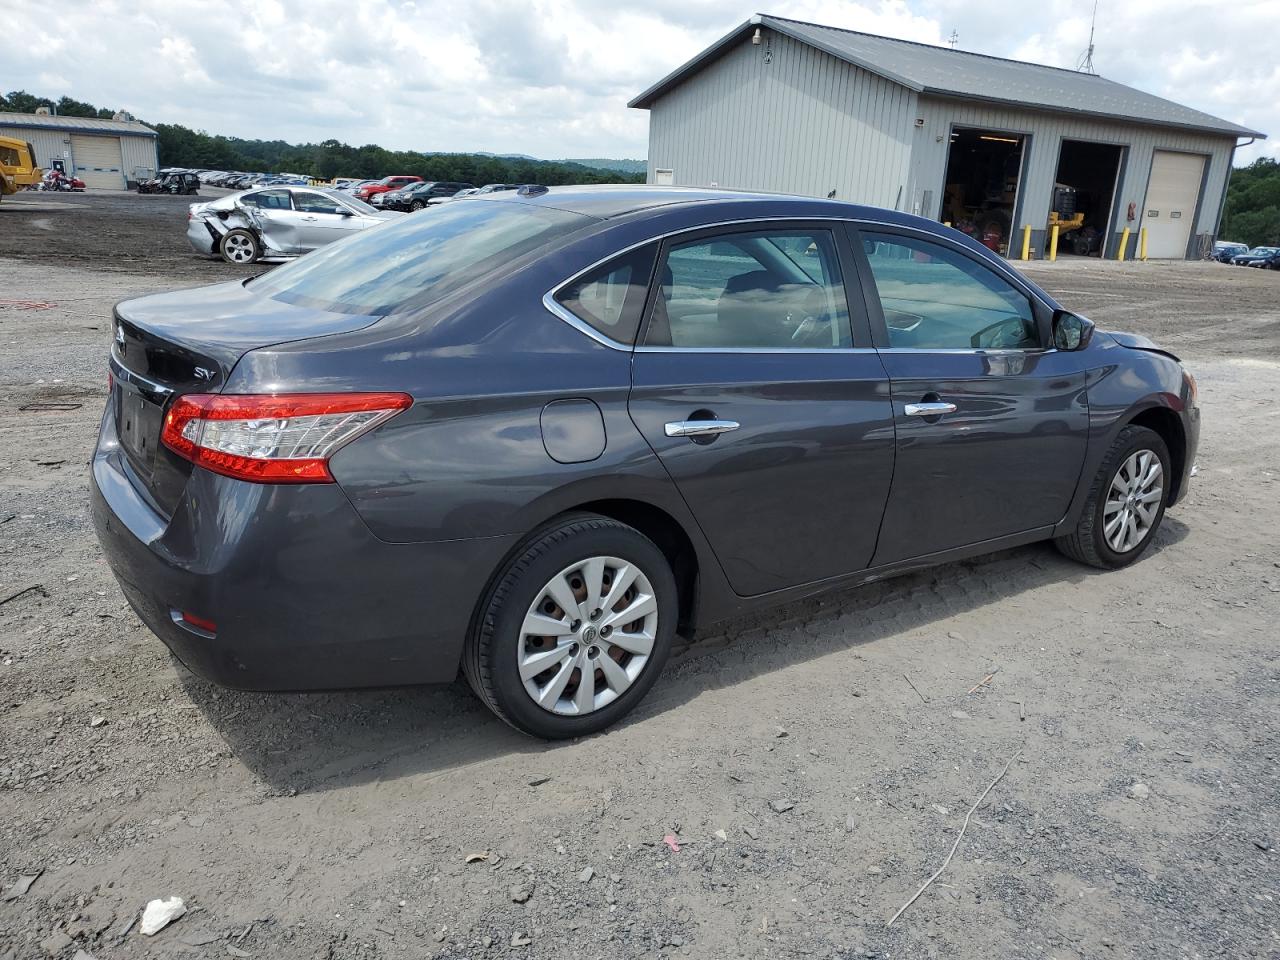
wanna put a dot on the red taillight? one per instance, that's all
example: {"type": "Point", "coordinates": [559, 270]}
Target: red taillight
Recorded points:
{"type": "Point", "coordinates": [200, 623]}
{"type": "Point", "coordinates": [273, 439]}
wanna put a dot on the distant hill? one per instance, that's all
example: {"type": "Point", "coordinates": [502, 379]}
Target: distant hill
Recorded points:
{"type": "Point", "coordinates": [622, 166]}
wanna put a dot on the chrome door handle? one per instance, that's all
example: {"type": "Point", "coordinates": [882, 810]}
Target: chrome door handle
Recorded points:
{"type": "Point", "coordinates": [309, 219]}
{"type": "Point", "coordinates": [936, 409]}
{"type": "Point", "coordinates": [700, 428]}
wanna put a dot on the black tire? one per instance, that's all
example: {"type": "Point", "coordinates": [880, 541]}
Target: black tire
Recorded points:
{"type": "Point", "coordinates": [243, 240]}
{"type": "Point", "coordinates": [1087, 542]}
{"type": "Point", "coordinates": [489, 659]}
{"type": "Point", "coordinates": [416, 206]}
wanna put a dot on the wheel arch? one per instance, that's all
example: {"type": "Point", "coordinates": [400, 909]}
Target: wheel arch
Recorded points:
{"type": "Point", "coordinates": [667, 533]}
{"type": "Point", "coordinates": [1168, 425]}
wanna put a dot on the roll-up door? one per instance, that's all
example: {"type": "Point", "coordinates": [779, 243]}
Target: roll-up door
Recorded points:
{"type": "Point", "coordinates": [97, 161]}
{"type": "Point", "coordinates": [1170, 211]}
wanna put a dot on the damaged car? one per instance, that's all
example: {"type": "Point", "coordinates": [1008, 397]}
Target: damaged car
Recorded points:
{"type": "Point", "coordinates": [277, 223]}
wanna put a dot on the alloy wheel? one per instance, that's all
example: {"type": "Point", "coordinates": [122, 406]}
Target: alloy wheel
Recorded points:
{"type": "Point", "coordinates": [239, 248]}
{"type": "Point", "coordinates": [587, 636]}
{"type": "Point", "coordinates": [1133, 501]}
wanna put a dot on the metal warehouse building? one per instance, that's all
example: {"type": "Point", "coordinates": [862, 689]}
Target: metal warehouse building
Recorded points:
{"type": "Point", "coordinates": [986, 144]}
{"type": "Point", "coordinates": [105, 154]}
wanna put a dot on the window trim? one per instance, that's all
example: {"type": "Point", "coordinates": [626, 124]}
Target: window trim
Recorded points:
{"type": "Point", "coordinates": [853, 263]}
{"type": "Point", "coordinates": [1041, 313]}
{"type": "Point", "coordinates": [563, 311]}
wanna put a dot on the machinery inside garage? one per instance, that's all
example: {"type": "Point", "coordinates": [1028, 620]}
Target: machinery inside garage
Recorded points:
{"type": "Point", "coordinates": [981, 185]}
{"type": "Point", "coordinates": [1084, 191]}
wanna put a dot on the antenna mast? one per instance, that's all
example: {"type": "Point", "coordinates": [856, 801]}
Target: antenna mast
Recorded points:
{"type": "Point", "coordinates": [953, 39]}
{"type": "Point", "coordinates": [1085, 63]}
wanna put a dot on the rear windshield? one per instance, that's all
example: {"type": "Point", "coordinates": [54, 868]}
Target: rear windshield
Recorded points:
{"type": "Point", "coordinates": [418, 258]}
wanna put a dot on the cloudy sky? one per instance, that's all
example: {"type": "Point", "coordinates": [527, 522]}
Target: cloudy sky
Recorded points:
{"type": "Point", "coordinates": [551, 78]}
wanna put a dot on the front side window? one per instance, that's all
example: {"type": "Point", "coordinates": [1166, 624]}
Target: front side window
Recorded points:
{"type": "Point", "coordinates": [773, 289]}
{"type": "Point", "coordinates": [610, 299]}
{"type": "Point", "coordinates": [937, 299]}
{"type": "Point", "coordinates": [315, 203]}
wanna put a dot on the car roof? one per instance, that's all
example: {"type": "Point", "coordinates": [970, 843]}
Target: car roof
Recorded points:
{"type": "Point", "coordinates": [606, 201]}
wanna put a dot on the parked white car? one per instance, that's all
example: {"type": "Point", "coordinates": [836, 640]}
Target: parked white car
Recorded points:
{"type": "Point", "coordinates": [277, 223]}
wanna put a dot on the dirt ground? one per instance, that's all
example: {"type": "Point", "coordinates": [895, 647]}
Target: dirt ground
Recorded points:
{"type": "Point", "coordinates": [815, 764]}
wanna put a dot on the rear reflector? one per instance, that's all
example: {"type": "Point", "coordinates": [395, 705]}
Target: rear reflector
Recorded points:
{"type": "Point", "coordinates": [200, 623]}
{"type": "Point", "coordinates": [286, 438]}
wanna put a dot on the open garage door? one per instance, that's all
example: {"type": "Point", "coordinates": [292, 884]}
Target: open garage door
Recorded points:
{"type": "Point", "coordinates": [1084, 196]}
{"type": "Point", "coordinates": [1172, 195]}
{"type": "Point", "coordinates": [980, 190]}
{"type": "Point", "coordinates": [97, 161]}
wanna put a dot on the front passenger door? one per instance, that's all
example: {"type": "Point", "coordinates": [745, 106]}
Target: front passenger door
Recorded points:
{"type": "Point", "coordinates": [321, 219]}
{"type": "Point", "coordinates": [991, 421]}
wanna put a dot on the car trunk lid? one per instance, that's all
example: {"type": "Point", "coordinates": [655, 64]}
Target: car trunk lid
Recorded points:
{"type": "Point", "coordinates": [189, 341]}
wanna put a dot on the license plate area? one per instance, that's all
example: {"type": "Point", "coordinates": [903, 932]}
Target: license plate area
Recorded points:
{"type": "Point", "coordinates": [138, 423]}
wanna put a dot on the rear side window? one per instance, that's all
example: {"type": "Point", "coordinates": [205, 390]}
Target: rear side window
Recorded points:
{"type": "Point", "coordinates": [268, 200]}
{"type": "Point", "coordinates": [610, 299]}
{"type": "Point", "coordinates": [412, 261]}
{"type": "Point", "coordinates": [773, 290]}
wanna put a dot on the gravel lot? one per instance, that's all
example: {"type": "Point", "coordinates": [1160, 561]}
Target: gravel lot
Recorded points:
{"type": "Point", "coordinates": [815, 764]}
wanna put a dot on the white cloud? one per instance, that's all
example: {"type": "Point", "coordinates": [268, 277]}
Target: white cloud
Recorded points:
{"type": "Point", "coordinates": [552, 77]}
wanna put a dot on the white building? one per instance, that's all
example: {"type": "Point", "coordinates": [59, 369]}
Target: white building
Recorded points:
{"type": "Point", "coordinates": [105, 154]}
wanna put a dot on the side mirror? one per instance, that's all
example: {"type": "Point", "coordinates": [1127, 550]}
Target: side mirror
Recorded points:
{"type": "Point", "coordinates": [1071, 332]}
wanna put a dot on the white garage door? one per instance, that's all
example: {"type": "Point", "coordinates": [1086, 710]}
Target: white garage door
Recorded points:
{"type": "Point", "coordinates": [98, 162]}
{"type": "Point", "coordinates": [1171, 203]}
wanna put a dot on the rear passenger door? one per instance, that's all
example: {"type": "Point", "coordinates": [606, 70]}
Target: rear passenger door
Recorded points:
{"type": "Point", "coordinates": [280, 224]}
{"type": "Point", "coordinates": [991, 421]}
{"type": "Point", "coordinates": [755, 385]}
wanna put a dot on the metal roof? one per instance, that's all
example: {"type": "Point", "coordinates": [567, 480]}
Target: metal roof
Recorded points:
{"type": "Point", "coordinates": [941, 71]}
{"type": "Point", "coordinates": [75, 124]}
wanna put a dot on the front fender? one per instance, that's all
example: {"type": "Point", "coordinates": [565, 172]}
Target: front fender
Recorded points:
{"type": "Point", "coordinates": [1123, 384]}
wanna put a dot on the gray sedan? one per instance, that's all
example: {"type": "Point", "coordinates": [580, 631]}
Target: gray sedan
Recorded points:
{"type": "Point", "coordinates": [534, 435]}
{"type": "Point", "coordinates": [277, 223]}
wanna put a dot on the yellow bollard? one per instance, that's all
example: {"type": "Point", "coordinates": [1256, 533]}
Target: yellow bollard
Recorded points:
{"type": "Point", "coordinates": [1026, 242]}
{"type": "Point", "coordinates": [1142, 244]}
{"type": "Point", "coordinates": [1124, 244]}
{"type": "Point", "coordinates": [1053, 243]}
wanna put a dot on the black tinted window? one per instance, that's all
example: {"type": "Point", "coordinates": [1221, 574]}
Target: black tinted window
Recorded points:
{"type": "Point", "coordinates": [610, 298]}
{"type": "Point", "coordinates": [416, 260]}
{"type": "Point", "coordinates": [937, 299]}
{"type": "Point", "coordinates": [772, 289]}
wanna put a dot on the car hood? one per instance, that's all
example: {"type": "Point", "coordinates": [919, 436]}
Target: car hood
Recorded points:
{"type": "Point", "coordinates": [1135, 341]}
{"type": "Point", "coordinates": [225, 321]}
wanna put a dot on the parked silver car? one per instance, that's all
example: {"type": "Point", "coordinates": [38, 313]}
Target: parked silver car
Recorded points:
{"type": "Point", "coordinates": [277, 223]}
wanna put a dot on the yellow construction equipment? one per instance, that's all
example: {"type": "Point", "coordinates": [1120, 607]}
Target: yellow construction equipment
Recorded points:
{"type": "Point", "coordinates": [17, 165]}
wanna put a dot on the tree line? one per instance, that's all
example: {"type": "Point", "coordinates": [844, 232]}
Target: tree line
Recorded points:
{"type": "Point", "coordinates": [180, 146]}
{"type": "Point", "coordinates": [1252, 213]}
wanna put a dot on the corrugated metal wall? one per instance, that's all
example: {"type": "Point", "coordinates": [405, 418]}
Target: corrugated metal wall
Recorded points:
{"type": "Point", "coordinates": [1040, 165]}
{"type": "Point", "coordinates": [138, 153]}
{"type": "Point", "coordinates": [803, 122]}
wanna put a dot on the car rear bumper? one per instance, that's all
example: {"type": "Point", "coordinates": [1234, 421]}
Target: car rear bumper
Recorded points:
{"type": "Point", "coordinates": [199, 237]}
{"type": "Point", "coordinates": [302, 594]}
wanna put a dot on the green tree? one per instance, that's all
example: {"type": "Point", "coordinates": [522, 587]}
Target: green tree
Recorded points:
{"type": "Point", "coordinates": [1252, 211]}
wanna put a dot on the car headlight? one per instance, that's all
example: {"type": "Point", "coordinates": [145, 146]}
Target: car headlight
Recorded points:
{"type": "Point", "coordinates": [1193, 389]}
